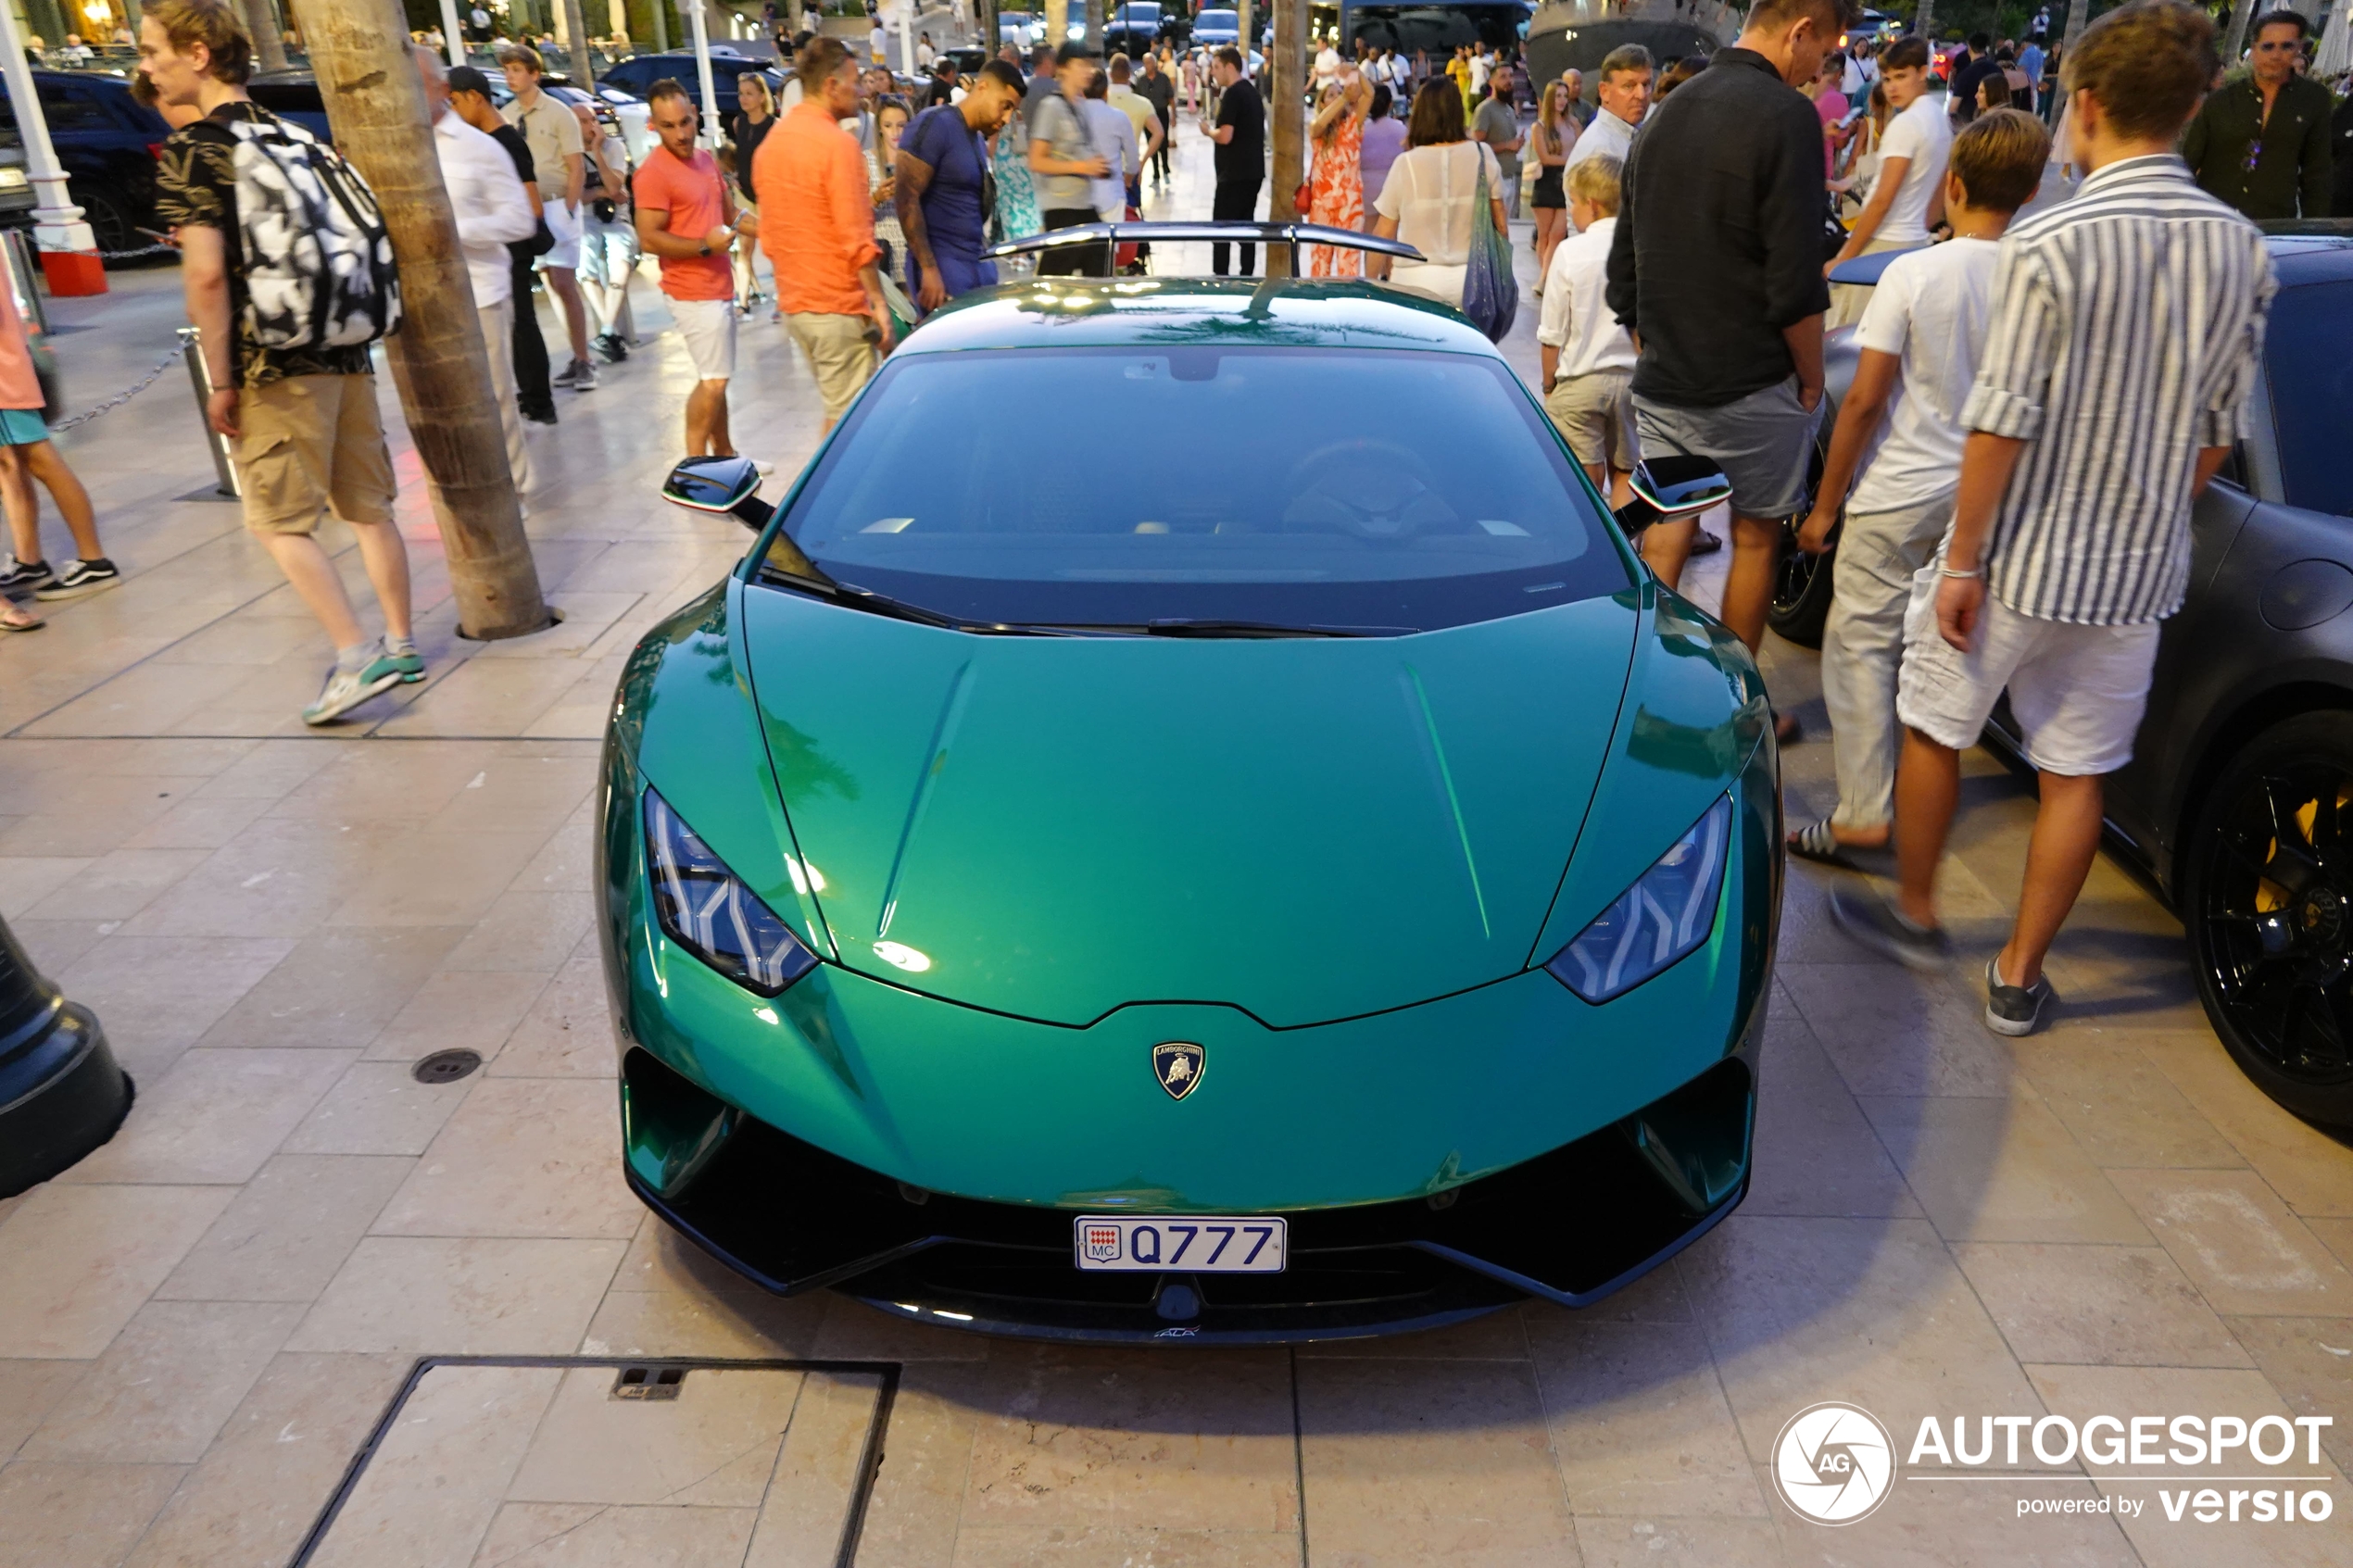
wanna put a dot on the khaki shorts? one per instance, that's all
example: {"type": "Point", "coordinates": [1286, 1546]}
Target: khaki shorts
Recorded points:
{"type": "Point", "coordinates": [306, 444]}
{"type": "Point", "coordinates": [1595, 416]}
{"type": "Point", "coordinates": [839, 354]}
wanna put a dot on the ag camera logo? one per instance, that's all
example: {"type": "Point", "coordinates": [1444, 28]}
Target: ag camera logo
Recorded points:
{"type": "Point", "coordinates": [1834, 1462]}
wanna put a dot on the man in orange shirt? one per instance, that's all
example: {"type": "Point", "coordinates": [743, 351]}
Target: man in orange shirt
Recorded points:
{"type": "Point", "coordinates": [810, 178]}
{"type": "Point", "coordinates": [688, 217]}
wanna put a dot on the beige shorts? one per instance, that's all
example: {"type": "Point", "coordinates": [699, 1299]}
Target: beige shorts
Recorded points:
{"type": "Point", "coordinates": [839, 354]}
{"type": "Point", "coordinates": [1595, 416]}
{"type": "Point", "coordinates": [306, 444]}
{"type": "Point", "coordinates": [708, 327]}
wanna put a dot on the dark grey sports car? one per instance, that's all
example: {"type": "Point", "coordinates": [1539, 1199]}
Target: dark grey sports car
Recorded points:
{"type": "Point", "coordinates": [2239, 800]}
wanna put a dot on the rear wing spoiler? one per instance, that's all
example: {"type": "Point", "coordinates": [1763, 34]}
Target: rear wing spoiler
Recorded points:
{"type": "Point", "coordinates": [1269, 234]}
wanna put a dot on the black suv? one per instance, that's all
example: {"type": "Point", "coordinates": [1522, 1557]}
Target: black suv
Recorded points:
{"type": "Point", "coordinates": [107, 146]}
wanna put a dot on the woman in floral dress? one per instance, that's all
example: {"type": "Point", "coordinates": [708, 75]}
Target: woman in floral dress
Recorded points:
{"type": "Point", "coordinates": [1335, 185]}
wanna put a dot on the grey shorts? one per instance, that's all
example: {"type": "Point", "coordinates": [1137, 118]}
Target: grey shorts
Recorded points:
{"type": "Point", "coordinates": [1761, 440]}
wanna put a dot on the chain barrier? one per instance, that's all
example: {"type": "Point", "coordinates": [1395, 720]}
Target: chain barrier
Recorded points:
{"type": "Point", "coordinates": [139, 254]}
{"type": "Point", "coordinates": [119, 399]}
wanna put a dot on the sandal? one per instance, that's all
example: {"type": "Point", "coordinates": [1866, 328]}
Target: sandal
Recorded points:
{"type": "Point", "coordinates": [15, 620]}
{"type": "Point", "coordinates": [1787, 731]}
{"type": "Point", "coordinates": [1815, 842]}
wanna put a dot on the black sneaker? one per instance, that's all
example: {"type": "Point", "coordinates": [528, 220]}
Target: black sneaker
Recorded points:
{"type": "Point", "coordinates": [79, 577]}
{"type": "Point", "coordinates": [2015, 1009]}
{"type": "Point", "coordinates": [23, 576]}
{"type": "Point", "coordinates": [1884, 931]}
{"type": "Point", "coordinates": [540, 416]}
{"type": "Point", "coordinates": [611, 346]}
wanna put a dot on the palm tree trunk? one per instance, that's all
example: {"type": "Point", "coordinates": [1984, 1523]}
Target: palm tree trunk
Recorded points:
{"type": "Point", "coordinates": [1285, 123]}
{"type": "Point", "coordinates": [269, 38]}
{"type": "Point", "coordinates": [376, 106]}
{"type": "Point", "coordinates": [2236, 41]}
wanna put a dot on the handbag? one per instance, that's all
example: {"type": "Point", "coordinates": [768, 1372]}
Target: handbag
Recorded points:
{"type": "Point", "coordinates": [1491, 294]}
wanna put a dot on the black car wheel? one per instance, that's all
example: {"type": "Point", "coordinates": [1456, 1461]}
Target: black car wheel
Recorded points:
{"type": "Point", "coordinates": [2269, 895]}
{"type": "Point", "coordinates": [1802, 584]}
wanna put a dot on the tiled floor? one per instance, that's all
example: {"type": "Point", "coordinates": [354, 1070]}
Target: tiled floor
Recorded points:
{"type": "Point", "coordinates": [199, 1326]}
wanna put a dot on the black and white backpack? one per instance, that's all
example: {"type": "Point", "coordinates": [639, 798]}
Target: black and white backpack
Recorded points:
{"type": "Point", "coordinates": [317, 262]}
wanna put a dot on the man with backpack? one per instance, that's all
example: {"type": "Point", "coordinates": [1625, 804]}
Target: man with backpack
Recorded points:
{"type": "Point", "coordinates": [285, 343]}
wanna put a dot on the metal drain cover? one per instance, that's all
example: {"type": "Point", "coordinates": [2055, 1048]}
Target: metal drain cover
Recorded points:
{"type": "Point", "coordinates": [546, 1461]}
{"type": "Point", "coordinates": [444, 1067]}
{"type": "Point", "coordinates": [648, 1383]}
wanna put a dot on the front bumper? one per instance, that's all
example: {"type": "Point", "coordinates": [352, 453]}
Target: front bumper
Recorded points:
{"type": "Point", "coordinates": [1569, 1226]}
{"type": "Point", "coordinates": [1434, 1162]}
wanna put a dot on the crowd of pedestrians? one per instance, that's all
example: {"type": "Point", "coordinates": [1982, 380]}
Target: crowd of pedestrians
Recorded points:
{"type": "Point", "coordinates": [2036, 402]}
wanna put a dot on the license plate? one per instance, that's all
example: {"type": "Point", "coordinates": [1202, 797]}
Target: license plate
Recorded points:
{"type": "Point", "coordinates": [1155, 1243]}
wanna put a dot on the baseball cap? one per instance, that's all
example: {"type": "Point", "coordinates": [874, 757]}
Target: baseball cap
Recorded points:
{"type": "Point", "coordinates": [469, 78]}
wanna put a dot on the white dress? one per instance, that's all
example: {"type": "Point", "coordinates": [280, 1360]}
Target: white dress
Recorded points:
{"type": "Point", "coordinates": [1432, 192]}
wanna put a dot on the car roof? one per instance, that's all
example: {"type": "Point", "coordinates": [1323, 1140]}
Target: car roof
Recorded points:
{"type": "Point", "coordinates": [1196, 312]}
{"type": "Point", "coordinates": [2297, 259]}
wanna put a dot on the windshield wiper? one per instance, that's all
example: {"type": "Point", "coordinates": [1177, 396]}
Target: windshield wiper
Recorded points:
{"type": "Point", "coordinates": [851, 597]}
{"type": "Point", "coordinates": [1187, 626]}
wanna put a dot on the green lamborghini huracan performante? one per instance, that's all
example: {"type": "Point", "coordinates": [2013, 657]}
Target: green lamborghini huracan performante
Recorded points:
{"type": "Point", "coordinates": [1190, 823]}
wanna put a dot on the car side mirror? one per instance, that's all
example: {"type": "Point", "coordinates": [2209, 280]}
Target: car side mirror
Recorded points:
{"type": "Point", "coordinates": [1672, 486]}
{"type": "Point", "coordinates": [719, 484]}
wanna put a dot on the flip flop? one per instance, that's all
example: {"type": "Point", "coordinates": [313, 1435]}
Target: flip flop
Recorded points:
{"type": "Point", "coordinates": [15, 620]}
{"type": "Point", "coordinates": [1815, 842]}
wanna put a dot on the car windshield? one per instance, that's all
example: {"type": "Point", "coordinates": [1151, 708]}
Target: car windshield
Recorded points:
{"type": "Point", "coordinates": [1113, 487]}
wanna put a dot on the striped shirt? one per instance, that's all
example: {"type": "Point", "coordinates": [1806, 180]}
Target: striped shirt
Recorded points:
{"type": "Point", "coordinates": [2126, 333]}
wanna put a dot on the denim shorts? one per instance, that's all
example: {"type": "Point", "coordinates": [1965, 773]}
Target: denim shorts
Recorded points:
{"type": "Point", "coordinates": [1761, 440]}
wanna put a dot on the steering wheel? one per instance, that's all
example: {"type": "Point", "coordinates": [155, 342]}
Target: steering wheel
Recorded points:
{"type": "Point", "coordinates": [1366, 488]}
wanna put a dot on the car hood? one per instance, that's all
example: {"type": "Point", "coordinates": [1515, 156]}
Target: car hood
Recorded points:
{"type": "Point", "coordinates": [1307, 829]}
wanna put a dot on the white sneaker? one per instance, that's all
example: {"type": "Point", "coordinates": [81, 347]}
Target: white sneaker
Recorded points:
{"type": "Point", "coordinates": [347, 689]}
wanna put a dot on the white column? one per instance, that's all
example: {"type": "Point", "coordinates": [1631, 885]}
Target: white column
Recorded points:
{"type": "Point", "coordinates": [56, 222]}
{"type": "Point", "coordinates": [702, 70]}
{"type": "Point", "coordinates": [453, 36]}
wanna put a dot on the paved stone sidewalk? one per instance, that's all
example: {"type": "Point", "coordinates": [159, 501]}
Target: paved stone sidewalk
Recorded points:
{"type": "Point", "coordinates": [200, 1325]}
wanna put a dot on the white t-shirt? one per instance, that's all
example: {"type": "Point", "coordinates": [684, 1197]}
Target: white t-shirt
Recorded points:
{"type": "Point", "coordinates": [1922, 134]}
{"type": "Point", "coordinates": [1931, 307]}
{"type": "Point", "coordinates": [1577, 319]}
{"type": "Point", "coordinates": [1327, 66]}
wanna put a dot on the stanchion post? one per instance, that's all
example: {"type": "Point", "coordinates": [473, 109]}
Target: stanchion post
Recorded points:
{"type": "Point", "coordinates": [192, 350]}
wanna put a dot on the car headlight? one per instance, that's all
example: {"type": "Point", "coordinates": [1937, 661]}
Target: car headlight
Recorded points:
{"type": "Point", "coordinates": [705, 909]}
{"type": "Point", "coordinates": [1668, 911]}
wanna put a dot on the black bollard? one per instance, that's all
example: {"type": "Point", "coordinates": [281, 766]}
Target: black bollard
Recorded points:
{"type": "Point", "coordinates": [61, 1093]}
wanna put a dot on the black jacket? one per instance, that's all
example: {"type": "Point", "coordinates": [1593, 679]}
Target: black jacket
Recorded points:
{"type": "Point", "coordinates": [2292, 160]}
{"type": "Point", "coordinates": [1719, 235]}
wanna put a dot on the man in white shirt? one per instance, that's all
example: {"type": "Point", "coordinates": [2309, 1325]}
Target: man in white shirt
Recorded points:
{"type": "Point", "coordinates": [1327, 66]}
{"type": "Point", "coordinates": [1908, 199]}
{"type": "Point", "coordinates": [493, 211]}
{"type": "Point", "coordinates": [1587, 358]}
{"type": "Point", "coordinates": [1921, 337]}
{"type": "Point", "coordinates": [1113, 135]}
{"type": "Point", "coordinates": [1625, 92]}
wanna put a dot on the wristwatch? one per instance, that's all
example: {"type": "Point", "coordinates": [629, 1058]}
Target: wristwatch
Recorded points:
{"type": "Point", "coordinates": [706, 247]}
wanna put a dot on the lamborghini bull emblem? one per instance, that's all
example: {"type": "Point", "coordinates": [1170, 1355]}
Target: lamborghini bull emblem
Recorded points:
{"type": "Point", "coordinates": [1177, 1064]}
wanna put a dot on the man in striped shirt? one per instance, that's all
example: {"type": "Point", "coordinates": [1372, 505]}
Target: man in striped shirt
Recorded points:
{"type": "Point", "coordinates": [2126, 336]}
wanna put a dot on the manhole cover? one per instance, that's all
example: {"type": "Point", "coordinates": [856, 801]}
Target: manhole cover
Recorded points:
{"type": "Point", "coordinates": [537, 1460]}
{"type": "Point", "coordinates": [444, 1067]}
